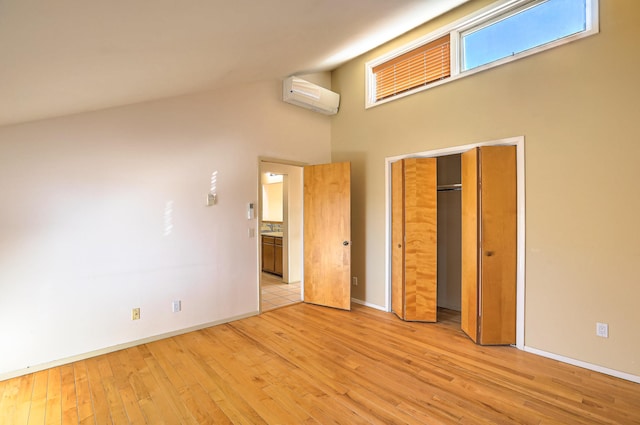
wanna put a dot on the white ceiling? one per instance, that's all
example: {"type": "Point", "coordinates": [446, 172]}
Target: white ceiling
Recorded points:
{"type": "Point", "coordinates": [67, 56]}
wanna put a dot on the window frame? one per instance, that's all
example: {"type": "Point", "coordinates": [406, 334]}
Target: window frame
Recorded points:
{"type": "Point", "coordinates": [500, 10]}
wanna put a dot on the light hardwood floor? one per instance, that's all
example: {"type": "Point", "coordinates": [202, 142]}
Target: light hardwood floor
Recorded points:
{"type": "Point", "coordinates": [305, 364]}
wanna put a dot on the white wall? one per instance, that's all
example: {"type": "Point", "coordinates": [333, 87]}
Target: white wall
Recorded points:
{"type": "Point", "coordinates": [104, 211]}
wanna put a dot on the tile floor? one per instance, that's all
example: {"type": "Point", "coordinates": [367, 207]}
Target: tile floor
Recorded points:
{"type": "Point", "coordinates": [275, 293]}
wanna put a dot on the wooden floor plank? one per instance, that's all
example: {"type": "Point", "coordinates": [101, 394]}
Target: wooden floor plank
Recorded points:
{"type": "Point", "coordinates": [83, 393]}
{"type": "Point", "coordinates": [305, 364]}
{"type": "Point", "coordinates": [38, 407]}
{"type": "Point", "coordinates": [100, 403]}
{"type": "Point", "coordinates": [194, 396]}
{"type": "Point", "coordinates": [114, 402]}
{"type": "Point", "coordinates": [120, 366]}
{"type": "Point", "coordinates": [167, 393]}
{"type": "Point", "coordinates": [158, 404]}
{"type": "Point", "coordinates": [54, 397]}
{"type": "Point", "coordinates": [201, 406]}
{"type": "Point", "coordinates": [68, 395]}
{"type": "Point", "coordinates": [132, 406]}
{"type": "Point", "coordinates": [21, 404]}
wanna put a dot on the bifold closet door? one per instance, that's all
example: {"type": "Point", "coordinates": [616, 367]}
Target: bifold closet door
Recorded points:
{"type": "Point", "coordinates": [470, 230]}
{"type": "Point", "coordinates": [397, 238]}
{"type": "Point", "coordinates": [489, 233]}
{"type": "Point", "coordinates": [414, 228]}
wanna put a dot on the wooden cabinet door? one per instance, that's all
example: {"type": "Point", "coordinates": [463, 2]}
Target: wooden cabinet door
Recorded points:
{"type": "Point", "coordinates": [327, 235]}
{"type": "Point", "coordinates": [277, 268]}
{"type": "Point", "coordinates": [414, 238]}
{"type": "Point", "coordinates": [268, 254]}
{"type": "Point", "coordinates": [489, 232]}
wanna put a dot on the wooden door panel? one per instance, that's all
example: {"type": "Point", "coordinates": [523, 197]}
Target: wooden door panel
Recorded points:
{"type": "Point", "coordinates": [498, 211]}
{"type": "Point", "coordinates": [470, 266]}
{"type": "Point", "coordinates": [397, 238]}
{"type": "Point", "coordinates": [421, 240]}
{"type": "Point", "coordinates": [327, 227]}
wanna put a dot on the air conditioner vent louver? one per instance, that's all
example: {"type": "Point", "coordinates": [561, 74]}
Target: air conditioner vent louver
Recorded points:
{"type": "Point", "coordinates": [311, 96]}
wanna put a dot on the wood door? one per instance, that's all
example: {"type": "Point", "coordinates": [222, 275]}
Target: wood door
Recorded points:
{"type": "Point", "coordinates": [421, 239]}
{"type": "Point", "coordinates": [327, 235]}
{"type": "Point", "coordinates": [470, 229]}
{"type": "Point", "coordinates": [397, 238]}
{"type": "Point", "coordinates": [414, 228]}
{"type": "Point", "coordinates": [489, 233]}
{"type": "Point", "coordinates": [498, 235]}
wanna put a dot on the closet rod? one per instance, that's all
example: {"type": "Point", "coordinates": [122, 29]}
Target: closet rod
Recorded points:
{"type": "Point", "coordinates": [448, 187]}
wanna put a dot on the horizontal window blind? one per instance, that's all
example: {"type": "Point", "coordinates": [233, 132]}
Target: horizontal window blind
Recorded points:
{"type": "Point", "coordinates": [423, 65]}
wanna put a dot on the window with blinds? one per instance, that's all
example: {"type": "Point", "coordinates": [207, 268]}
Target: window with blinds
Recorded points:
{"type": "Point", "coordinates": [421, 66]}
{"type": "Point", "coordinates": [492, 36]}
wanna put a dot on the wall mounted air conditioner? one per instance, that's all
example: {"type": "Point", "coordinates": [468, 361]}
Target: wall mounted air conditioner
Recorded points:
{"type": "Point", "coordinates": [311, 96]}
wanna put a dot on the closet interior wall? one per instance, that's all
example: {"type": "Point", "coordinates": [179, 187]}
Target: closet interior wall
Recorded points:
{"type": "Point", "coordinates": [449, 233]}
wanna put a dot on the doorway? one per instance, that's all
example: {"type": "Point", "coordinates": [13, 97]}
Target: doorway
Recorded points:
{"type": "Point", "coordinates": [452, 264]}
{"type": "Point", "coordinates": [449, 258]}
{"type": "Point", "coordinates": [280, 234]}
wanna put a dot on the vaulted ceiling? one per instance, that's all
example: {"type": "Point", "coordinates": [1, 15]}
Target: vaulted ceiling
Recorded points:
{"type": "Point", "coordinates": [69, 56]}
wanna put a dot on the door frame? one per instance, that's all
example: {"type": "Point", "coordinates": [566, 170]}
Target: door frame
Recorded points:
{"type": "Point", "coordinates": [518, 142]}
{"type": "Point", "coordinates": [262, 166]}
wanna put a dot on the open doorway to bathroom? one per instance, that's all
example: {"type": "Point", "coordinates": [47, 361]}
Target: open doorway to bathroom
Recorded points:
{"type": "Point", "coordinates": [280, 239]}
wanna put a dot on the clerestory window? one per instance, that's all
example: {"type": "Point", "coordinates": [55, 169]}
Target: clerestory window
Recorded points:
{"type": "Point", "coordinates": [503, 32]}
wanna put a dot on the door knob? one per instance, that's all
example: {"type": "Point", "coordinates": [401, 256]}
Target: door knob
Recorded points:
{"type": "Point", "coordinates": [489, 253]}
{"type": "Point", "coordinates": [345, 243]}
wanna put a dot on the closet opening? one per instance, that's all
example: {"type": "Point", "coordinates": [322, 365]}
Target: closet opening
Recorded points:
{"type": "Point", "coordinates": [449, 217]}
{"type": "Point", "coordinates": [427, 276]}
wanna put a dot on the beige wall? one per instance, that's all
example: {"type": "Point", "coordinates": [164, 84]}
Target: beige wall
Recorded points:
{"type": "Point", "coordinates": [577, 107]}
{"type": "Point", "coordinates": [103, 212]}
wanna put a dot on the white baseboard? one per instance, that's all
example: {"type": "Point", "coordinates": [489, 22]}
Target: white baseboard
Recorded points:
{"type": "Point", "coordinates": [366, 304]}
{"type": "Point", "coordinates": [585, 365]}
{"type": "Point", "coordinates": [84, 356]}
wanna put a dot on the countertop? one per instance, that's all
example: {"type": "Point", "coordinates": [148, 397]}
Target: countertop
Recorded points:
{"type": "Point", "coordinates": [275, 234]}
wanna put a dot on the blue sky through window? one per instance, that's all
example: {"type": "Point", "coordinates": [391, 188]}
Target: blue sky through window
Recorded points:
{"type": "Point", "coordinates": [541, 24]}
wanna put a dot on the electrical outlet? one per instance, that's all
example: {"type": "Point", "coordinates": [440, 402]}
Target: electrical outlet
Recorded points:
{"type": "Point", "coordinates": [135, 314]}
{"type": "Point", "coordinates": [354, 281]}
{"type": "Point", "coordinates": [602, 330]}
{"type": "Point", "coordinates": [176, 306]}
